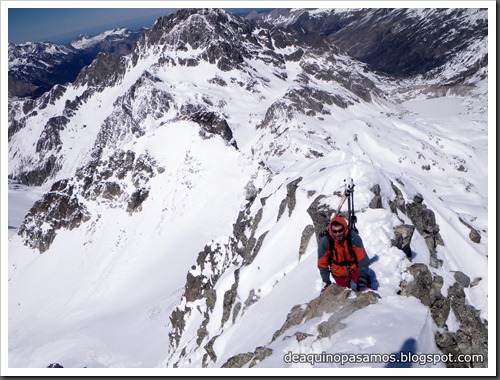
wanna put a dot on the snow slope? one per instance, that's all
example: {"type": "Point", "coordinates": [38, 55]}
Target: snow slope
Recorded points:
{"type": "Point", "coordinates": [101, 297]}
{"type": "Point", "coordinates": [113, 310]}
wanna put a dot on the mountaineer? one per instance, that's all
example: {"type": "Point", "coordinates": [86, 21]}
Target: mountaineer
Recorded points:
{"type": "Point", "coordinates": [341, 252]}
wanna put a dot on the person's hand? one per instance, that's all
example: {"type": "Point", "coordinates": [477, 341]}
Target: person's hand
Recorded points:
{"type": "Point", "coordinates": [362, 284]}
{"type": "Point", "coordinates": [325, 285]}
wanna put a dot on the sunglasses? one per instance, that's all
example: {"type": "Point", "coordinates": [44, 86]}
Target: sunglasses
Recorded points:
{"type": "Point", "coordinates": [337, 231]}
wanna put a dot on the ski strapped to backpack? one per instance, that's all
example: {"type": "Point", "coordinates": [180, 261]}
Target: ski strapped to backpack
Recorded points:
{"type": "Point", "coordinates": [351, 216]}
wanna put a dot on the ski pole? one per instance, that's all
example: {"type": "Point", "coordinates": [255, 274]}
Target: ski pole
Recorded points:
{"type": "Point", "coordinates": [352, 216]}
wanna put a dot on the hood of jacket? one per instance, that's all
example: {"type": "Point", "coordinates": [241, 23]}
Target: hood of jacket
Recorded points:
{"type": "Point", "coordinates": [341, 220]}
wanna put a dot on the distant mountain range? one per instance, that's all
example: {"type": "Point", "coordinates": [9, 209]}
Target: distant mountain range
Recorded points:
{"type": "Point", "coordinates": [35, 67]}
{"type": "Point", "coordinates": [397, 42]}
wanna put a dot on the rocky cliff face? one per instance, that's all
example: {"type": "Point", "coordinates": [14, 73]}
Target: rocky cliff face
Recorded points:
{"type": "Point", "coordinates": [121, 181]}
{"type": "Point", "coordinates": [400, 42]}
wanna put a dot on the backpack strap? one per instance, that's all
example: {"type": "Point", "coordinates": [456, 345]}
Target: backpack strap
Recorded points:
{"type": "Point", "coordinates": [331, 248]}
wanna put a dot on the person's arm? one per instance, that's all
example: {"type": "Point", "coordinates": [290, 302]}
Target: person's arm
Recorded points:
{"type": "Point", "coordinates": [363, 266]}
{"type": "Point", "coordinates": [324, 261]}
{"type": "Point", "coordinates": [363, 261]}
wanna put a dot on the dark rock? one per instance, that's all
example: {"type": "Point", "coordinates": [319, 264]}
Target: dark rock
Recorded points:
{"type": "Point", "coordinates": [211, 123]}
{"type": "Point", "coordinates": [474, 234]}
{"type": "Point", "coordinates": [335, 301]}
{"type": "Point", "coordinates": [418, 199]}
{"type": "Point", "coordinates": [399, 203]}
{"type": "Point", "coordinates": [425, 223]}
{"type": "Point", "coordinates": [107, 69]}
{"type": "Point", "coordinates": [54, 365]}
{"type": "Point", "coordinates": [230, 298]}
{"type": "Point", "coordinates": [376, 202]}
{"type": "Point", "coordinates": [445, 340]}
{"type": "Point", "coordinates": [50, 138]}
{"type": "Point", "coordinates": [462, 279]}
{"type": "Point", "coordinates": [56, 210]}
{"type": "Point", "coordinates": [236, 311]}
{"type": "Point", "coordinates": [472, 335]}
{"type": "Point", "coordinates": [251, 299]}
{"type": "Point", "coordinates": [136, 199]}
{"type": "Point", "coordinates": [39, 175]}
{"type": "Point", "coordinates": [402, 239]}
{"type": "Point", "coordinates": [305, 238]}
{"type": "Point", "coordinates": [110, 190]}
{"type": "Point", "coordinates": [320, 215]}
{"type": "Point", "coordinates": [61, 207]}
{"type": "Point", "coordinates": [300, 336]}
{"type": "Point", "coordinates": [424, 286]}
{"type": "Point", "coordinates": [440, 310]}
{"type": "Point", "coordinates": [238, 361]}
{"type": "Point", "coordinates": [209, 348]}
{"type": "Point", "coordinates": [193, 288]}
{"type": "Point", "coordinates": [290, 200]}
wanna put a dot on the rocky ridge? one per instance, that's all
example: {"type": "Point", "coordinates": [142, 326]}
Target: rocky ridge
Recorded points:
{"type": "Point", "coordinates": [199, 301]}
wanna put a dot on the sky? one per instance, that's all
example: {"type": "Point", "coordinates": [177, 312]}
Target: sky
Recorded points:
{"type": "Point", "coordinates": [62, 25]}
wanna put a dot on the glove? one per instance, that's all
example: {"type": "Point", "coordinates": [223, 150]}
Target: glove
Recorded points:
{"type": "Point", "coordinates": [325, 285]}
{"type": "Point", "coordinates": [362, 284]}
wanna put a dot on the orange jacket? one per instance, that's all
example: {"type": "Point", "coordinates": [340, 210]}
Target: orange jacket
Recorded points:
{"type": "Point", "coordinates": [339, 258]}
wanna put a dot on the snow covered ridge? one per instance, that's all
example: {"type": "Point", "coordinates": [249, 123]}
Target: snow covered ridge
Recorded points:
{"type": "Point", "coordinates": [85, 42]}
{"type": "Point", "coordinates": [21, 54]}
{"type": "Point", "coordinates": [203, 319]}
{"type": "Point", "coordinates": [186, 184]}
{"type": "Point", "coordinates": [425, 38]}
{"type": "Point", "coordinates": [35, 67]}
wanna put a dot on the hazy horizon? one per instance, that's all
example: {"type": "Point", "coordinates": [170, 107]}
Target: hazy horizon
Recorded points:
{"type": "Point", "coordinates": [40, 24]}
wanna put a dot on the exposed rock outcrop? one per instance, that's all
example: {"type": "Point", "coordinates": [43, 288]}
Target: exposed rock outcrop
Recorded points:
{"type": "Point", "coordinates": [471, 338]}
{"type": "Point", "coordinates": [320, 215]}
{"type": "Point", "coordinates": [424, 221]}
{"type": "Point", "coordinates": [474, 234]}
{"type": "Point", "coordinates": [64, 206]}
{"type": "Point", "coordinates": [252, 358]}
{"type": "Point", "coordinates": [336, 301]}
{"type": "Point", "coordinates": [376, 202]}
{"type": "Point", "coordinates": [402, 238]}
{"type": "Point", "coordinates": [290, 200]}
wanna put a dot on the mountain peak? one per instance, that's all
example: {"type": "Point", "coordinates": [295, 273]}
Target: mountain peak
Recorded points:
{"type": "Point", "coordinates": [85, 41]}
{"type": "Point", "coordinates": [194, 27]}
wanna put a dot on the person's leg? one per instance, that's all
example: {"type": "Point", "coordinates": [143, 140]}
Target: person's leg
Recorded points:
{"type": "Point", "coordinates": [346, 281]}
{"type": "Point", "coordinates": [355, 275]}
{"type": "Point", "coordinates": [343, 281]}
